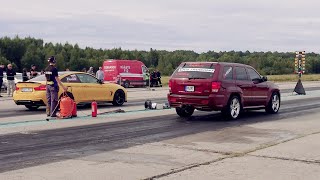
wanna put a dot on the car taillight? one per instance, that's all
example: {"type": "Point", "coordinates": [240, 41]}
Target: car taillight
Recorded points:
{"type": "Point", "coordinates": [40, 88]}
{"type": "Point", "coordinates": [215, 86]}
{"type": "Point", "coordinates": [170, 84]}
{"type": "Point", "coordinates": [17, 88]}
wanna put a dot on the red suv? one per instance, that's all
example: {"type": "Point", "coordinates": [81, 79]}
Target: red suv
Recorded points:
{"type": "Point", "coordinates": [218, 86]}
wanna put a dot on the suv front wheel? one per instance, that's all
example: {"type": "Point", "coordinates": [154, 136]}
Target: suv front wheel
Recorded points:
{"type": "Point", "coordinates": [233, 109]}
{"type": "Point", "coordinates": [185, 111]}
{"type": "Point", "coordinates": [274, 104]}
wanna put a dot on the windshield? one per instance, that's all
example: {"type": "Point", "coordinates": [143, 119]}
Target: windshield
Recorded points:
{"type": "Point", "coordinates": [195, 71]}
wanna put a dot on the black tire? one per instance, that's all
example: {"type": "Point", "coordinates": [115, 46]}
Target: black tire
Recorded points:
{"type": "Point", "coordinates": [126, 84]}
{"type": "Point", "coordinates": [32, 108]}
{"type": "Point", "coordinates": [273, 104]}
{"type": "Point", "coordinates": [119, 98]}
{"type": "Point", "coordinates": [185, 111]}
{"type": "Point", "coordinates": [233, 109]}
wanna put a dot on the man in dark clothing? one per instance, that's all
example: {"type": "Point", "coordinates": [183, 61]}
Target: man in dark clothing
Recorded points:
{"type": "Point", "coordinates": [33, 71]}
{"type": "Point", "coordinates": [10, 77]}
{"type": "Point", "coordinates": [52, 88]}
{"type": "Point", "coordinates": [1, 76]}
{"type": "Point", "coordinates": [159, 78]}
{"type": "Point", "coordinates": [153, 79]}
{"type": "Point", "coordinates": [24, 75]}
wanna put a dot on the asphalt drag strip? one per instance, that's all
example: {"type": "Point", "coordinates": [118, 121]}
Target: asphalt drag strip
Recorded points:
{"type": "Point", "coordinates": [41, 147]}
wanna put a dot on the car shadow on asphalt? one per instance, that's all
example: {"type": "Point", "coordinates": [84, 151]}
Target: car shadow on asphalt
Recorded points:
{"type": "Point", "coordinates": [244, 117]}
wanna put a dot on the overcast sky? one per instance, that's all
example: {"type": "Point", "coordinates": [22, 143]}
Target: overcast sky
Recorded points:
{"type": "Point", "coordinates": [199, 25]}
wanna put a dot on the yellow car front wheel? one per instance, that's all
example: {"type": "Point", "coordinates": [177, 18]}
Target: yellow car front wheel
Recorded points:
{"type": "Point", "coordinates": [119, 98]}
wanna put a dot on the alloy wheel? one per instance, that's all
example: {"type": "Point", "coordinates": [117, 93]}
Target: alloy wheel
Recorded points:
{"type": "Point", "coordinates": [235, 108]}
{"type": "Point", "coordinates": [275, 103]}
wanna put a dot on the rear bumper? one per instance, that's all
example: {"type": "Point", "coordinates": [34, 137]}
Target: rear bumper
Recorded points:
{"type": "Point", "coordinates": [29, 102]}
{"type": "Point", "coordinates": [206, 103]}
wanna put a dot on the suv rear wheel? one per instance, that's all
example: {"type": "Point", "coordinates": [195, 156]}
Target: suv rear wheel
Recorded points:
{"type": "Point", "coordinates": [233, 109]}
{"type": "Point", "coordinates": [274, 104]}
{"type": "Point", "coordinates": [185, 111]}
{"type": "Point", "coordinates": [126, 84]}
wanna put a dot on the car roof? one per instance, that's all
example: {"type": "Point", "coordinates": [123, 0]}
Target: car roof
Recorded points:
{"type": "Point", "coordinates": [69, 72]}
{"type": "Point", "coordinates": [61, 74]}
{"type": "Point", "coordinates": [222, 63]}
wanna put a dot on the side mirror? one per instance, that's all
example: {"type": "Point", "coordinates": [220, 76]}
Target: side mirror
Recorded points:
{"type": "Point", "coordinates": [259, 80]}
{"type": "Point", "coordinates": [264, 78]}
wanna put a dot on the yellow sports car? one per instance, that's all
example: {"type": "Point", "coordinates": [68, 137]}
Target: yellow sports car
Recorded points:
{"type": "Point", "coordinates": [82, 87]}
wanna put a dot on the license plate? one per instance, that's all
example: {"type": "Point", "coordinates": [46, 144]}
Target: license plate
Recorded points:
{"type": "Point", "coordinates": [189, 88]}
{"type": "Point", "coordinates": [26, 90]}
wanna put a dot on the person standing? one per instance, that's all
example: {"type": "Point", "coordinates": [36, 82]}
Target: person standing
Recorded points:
{"type": "Point", "coordinates": [1, 76]}
{"type": "Point", "coordinates": [25, 75]}
{"type": "Point", "coordinates": [146, 78]}
{"type": "Point", "coordinates": [10, 77]}
{"type": "Point", "coordinates": [100, 74]}
{"type": "Point", "coordinates": [158, 74]}
{"type": "Point", "coordinates": [52, 88]}
{"type": "Point", "coordinates": [154, 80]}
{"type": "Point", "coordinates": [33, 71]}
{"type": "Point", "coordinates": [90, 71]}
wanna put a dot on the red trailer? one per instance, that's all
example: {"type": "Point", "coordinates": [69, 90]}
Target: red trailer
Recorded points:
{"type": "Point", "coordinates": [125, 72]}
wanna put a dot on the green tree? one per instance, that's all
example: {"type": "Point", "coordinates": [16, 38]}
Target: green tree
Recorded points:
{"type": "Point", "coordinates": [4, 60]}
{"type": "Point", "coordinates": [32, 55]}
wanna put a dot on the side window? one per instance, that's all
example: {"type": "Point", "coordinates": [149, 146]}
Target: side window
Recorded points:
{"type": "Point", "coordinates": [71, 79]}
{"type": "Point", "coordinates": [253, 74]}
{"type": "Point", "coordinates": [227, 73]}
{"type": "Point", "coordinates": [241, 74]}
{"type": "Point", "coordinates": [86, 78]}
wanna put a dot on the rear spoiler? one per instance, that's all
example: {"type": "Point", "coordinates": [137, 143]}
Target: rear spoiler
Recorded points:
{"type": "Point", "coordinates": [200, 62]}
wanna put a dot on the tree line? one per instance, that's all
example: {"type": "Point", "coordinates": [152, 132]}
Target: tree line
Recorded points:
{"type": "Point", "coordinates": [23, 52]}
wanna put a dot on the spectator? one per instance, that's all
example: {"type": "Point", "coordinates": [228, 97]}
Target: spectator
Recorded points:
{"type": "Point", "coordinates": [146, 77]}
{"type": "Point", "coordinates": [90, 71]}
{"type": "Point", "coordinates": [84, 70]}
{"type": "Point", "coordinates": [33, 71]}
{"type": "Point", "coordinates": [67, 69]}
{"type": "Point", "coordinates": [153, 79]}
{"type": "Point", "coordinates": [158, 75]}
{"type": "Point", "coordinates": [1, 76]}
{"type": "Point", "coordinates": [42, 72]}
{"type": "Point", "coordinates": [10, 77]}
{"type": "Point", "coordinates": [100, 74]}
{"type": "Point", "coordinates": [25, 75]}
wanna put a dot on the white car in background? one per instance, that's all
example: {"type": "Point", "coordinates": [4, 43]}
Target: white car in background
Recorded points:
{"type": "Point", "coordinates": [17, 78]}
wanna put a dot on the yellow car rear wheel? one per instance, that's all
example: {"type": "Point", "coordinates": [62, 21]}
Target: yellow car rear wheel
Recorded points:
{"type": "Point", "coordinates": [32, 108]}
